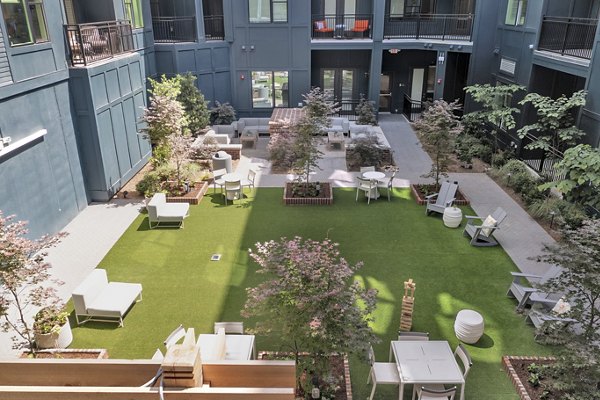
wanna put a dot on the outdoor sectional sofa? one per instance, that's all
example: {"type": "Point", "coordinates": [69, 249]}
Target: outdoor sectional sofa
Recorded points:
{"type": "Point", "coordinates": [97, 299]}
{"type": "Point", "coordinates": [258, 125]}
{"type": "Point", "coordinates": [223, 141]}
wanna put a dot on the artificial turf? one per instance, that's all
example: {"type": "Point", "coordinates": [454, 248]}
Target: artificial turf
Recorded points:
{"type": "Point", "coordinates": [395, 240]}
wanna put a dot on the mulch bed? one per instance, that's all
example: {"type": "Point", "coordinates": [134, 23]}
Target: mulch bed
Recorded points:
{"type": "Point", "coordinates": [339, 367]}
{"type": "Point", "coordinates": [324, 197]}
{"type": "Point", "coordinates": [194, 196]}
{"type": "Point", "coordinates": [421, 191]}
{"type": "Point", "coordinates": [517, 370]}
{"type": "Point", "coordinates": [91, 354]}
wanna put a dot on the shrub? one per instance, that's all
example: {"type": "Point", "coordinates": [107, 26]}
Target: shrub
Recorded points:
{"type": "Point", "coordinates": [468, 146]}
{"type": "Point", "coordinates": [49, 320]}
{"type": "Point", "coordinates": [364, 151]}
{"type": "Point", "coordinates": [565, 213]}
{"type": "Point", "coordinates": [192, 100]}
{"type": "Point", "coordinates": [366, 112]}
{"type": "Point", "coordinates": [222, 114]}
{"type": "Point", "coordinates": [281, 150]}
{"type": "Point", "coordinates": [149, 184]}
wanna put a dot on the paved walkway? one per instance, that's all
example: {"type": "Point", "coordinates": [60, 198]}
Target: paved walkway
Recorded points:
{"type": "Point", "coordinates": [95, 230]}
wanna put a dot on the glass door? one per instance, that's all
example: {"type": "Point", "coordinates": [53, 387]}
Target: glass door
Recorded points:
{"type": "Point", "coordinates": [339, 83]}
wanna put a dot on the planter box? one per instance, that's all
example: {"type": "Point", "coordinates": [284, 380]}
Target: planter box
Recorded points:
{"type": "Point", "coordinates": [60, 340]}
{"type": "Point", "coordinates": [262, 355]}
{"type": "Point", "coordinates": [325, 196]}
{"type": "Point", "coordinates": [461, 199]}
{"type": "Point", "coordinates": [193, 197]}
{"type": "Point", "coordinates": [514, 377]}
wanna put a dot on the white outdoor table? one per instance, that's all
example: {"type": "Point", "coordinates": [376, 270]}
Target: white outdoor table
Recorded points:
{"type": "Point", "coordinates": [426, 362]}
{"type": "Point", "coordinates": [232, 177]}
{"type": "Point", "coordinates": [237, 347]}
{"type": "Point", "coordinates": [374, 175]}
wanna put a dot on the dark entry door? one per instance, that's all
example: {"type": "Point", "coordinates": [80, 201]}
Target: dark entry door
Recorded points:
{"type": "Point", "coordinates": [385, 93]}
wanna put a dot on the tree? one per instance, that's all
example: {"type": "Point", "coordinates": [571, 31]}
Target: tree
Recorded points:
{"type": "Point", "coordinates": [437, 129]}
{"type": "Point", "coordinates": [24, 274]}
{"type": "Point", "coordinates": [576, 371]}
{"type": "Point", "coordinates": [318, 108]}
{"type": "Point", "coordinates": [222, 114]}
{"type": "Point", "coordinates": [497, 112]}
{"type": "Point", "coordinates": [305, 149]}
{"type": "Point", "coordinates": [581, 168]}
{"type": "Point", "coordinates": [309, 302]}
{"type": "Point", "coordinates": [555, 128]}
{"type": "Point", "coordinates": [196, 107]}
{"type": "Point", "coordinates": [181, 152]}
{"type": "Point", "coordinates": [366, 112]}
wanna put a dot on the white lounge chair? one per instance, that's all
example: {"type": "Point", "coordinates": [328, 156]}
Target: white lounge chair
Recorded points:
{"type": "Point", "coordinates": [159, 211]}
{"type": "Point", "coordinates": [483, 235]}
{"type": "Point", "coordinates": [97, 299]}
{"type": "Point", "coordinates": [438, 202]}
{"type": "Point", "coordinates": [229, 327]}
{"type": "Point", "coordinates": [520, 289]}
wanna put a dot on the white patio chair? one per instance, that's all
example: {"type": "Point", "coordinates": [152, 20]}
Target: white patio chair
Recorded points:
{"type": "Point", "coordinates": [174, 337]}
{"type": "Point", "coordinates": [230, 327]}
{"type": "Point", "coordinates": [366, 185]}
{"type": "Point", "coordinates": [249, 182]}
{"type": "Point", "coordinates": [218, 180]}
{"type": "Point", "coordinates": [428, 394]}
{"type": "Point", "coordinates": [366, 169]}
{"type": "Point", "coordinates": [413, 335]}
{"type": "Point", "coordinates": [233, 188]}
{"type": "Point", "coordinates": [384, 373]}
{"type": "Point", "coordinates": [438, 202]}
{"type": "Point", "coordinates": [387, 184]}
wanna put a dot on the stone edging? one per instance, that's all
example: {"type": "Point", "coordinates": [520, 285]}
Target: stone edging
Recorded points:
{"type": "Point", "coordinates": [288, 200]}
{"type": "Point", "coordinates": [192, 199]}
{"type": "Point", "coordinates": [512, 374]}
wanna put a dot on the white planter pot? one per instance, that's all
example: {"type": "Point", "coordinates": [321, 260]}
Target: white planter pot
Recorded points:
{"type": "Point", "coordinates": [60, 340]}
{"type": "Point", "coordinates": [452, 217]}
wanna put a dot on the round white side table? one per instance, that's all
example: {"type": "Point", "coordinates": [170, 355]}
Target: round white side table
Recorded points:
{"type": "Point", "coordinates": [468, 326]}
{"type": "Point", "coordinates": [452, 217]}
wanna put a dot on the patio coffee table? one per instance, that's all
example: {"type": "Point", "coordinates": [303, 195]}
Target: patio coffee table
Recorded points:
{"type": "Point", "coordinates": [426, 362]}
{"type": "Point", "coordinates": [250, 136]}
{"type": "Point", "coordinates": [336, 138]}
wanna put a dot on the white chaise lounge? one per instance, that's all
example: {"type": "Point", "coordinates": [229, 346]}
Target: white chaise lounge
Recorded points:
{"type": "Point", "coordinates": [159, 211]}
{"type": "Point", "coordinates": [97, 299]}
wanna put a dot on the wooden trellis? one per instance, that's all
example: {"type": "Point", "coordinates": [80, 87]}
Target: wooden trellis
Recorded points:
{"type": "Point", "coordinates": [408, 302]}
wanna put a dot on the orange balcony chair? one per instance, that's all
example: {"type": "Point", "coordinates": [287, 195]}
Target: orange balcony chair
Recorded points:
{"type": "Point", "coordinates": [321, 30]}
{"type": "Point", "coordinates": [361, 27]}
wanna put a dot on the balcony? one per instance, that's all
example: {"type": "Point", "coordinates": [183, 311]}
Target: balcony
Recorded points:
{"type": "Point", "coordinates": [214, 29]}
{"type": "Point", "coordinates": [174, 29]}
{"type": "Point", "coordinates": [568, 36]}
{"type": "Point", "coordinates": [349, 26]}
{"type": "Point", "coordinates": [429, 26]}
{"type": "Point", "coordinates": [93, 42]}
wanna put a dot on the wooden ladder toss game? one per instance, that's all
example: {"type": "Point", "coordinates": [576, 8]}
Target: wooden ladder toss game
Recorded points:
{"type": "Point", "coordinates": [408, 302]}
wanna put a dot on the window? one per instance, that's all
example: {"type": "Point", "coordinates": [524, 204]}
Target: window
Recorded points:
{"type": "Point", "coordinates": [25, 21]}
{"type": "Point", "coordinates": [269, 89]}
{"type": "Point", "coordinates": [133, 12]}
{"type": "Point", "coordinates": [516, 12]}
{"type": "Point", "coordinates": [267, 11]}
{"type": "Point", "coordinates": [397, 8]}
{"type": "Point", "coordinates": [503, 101]}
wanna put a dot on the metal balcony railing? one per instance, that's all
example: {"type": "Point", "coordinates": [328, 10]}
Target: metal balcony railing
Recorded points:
{"type": "Point", "coordinates": [346, 109]}
{"type": "Point", "coordinates": [92, 42]}
{"type": "Point", "coordinates": [214, 28]}
{"type": "Point", "coordinates": [412, 109]}
{"type": "Point", "coordinates": [568, 36]}
{"type": "Point", "coordinates": [429, 26]}
{"type": "Point", "coordinates": [348, 26]}
{"type": "Point", "coordinates": [174, 29]}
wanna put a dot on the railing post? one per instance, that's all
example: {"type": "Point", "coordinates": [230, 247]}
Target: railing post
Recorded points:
{"type": "Point", "coordinates": [418, 26]}
{"type": "Point", "coordinates": [444, 29]}
{"type": "Point", "coordinates": [564, 43]}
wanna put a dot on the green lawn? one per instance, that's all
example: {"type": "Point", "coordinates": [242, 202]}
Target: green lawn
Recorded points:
{"type": "Point", "coordinates": [395, 240]}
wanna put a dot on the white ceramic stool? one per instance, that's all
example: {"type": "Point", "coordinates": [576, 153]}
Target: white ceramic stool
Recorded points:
{"type": "Point", "coordinates": [452, 217]}
{"type": "Point", "coordinates": [468, 326]}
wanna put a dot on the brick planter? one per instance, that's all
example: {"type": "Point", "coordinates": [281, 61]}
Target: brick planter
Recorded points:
{"type": "Point", "coordinates": [348, 384]}
{"type": "Point", "coordinates": [461, 199]}
{"type": "Point", "coordinates": [193, 197]}
{"type": "Point", "coordinates": [514, 377]}
{"type": "Point", "coordinates": [325, 198]}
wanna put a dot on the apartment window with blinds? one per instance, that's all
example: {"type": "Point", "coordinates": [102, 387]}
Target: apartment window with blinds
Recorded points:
{"type": "Point", "coordinates": [516, 12]}
{"type": "Point", "coordinates": [267, 11]}
{"type": "Point", "coordinates": [133, 12]}
{"type": "Point", "coordinates": [25, 21]}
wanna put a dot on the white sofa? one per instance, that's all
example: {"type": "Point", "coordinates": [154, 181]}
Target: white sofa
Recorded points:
{"type": "Point", "coordinates": [223, 142]}
{"type": "Point", "coordinates": [97, 299]}
{"type": "Point", "coordinates": [259, 125]}
{"type": "Point", "coordinates": [159, 211]}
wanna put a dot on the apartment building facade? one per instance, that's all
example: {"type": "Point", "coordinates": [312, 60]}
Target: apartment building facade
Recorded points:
{"type": "Point", "coordinates": [73, 72]}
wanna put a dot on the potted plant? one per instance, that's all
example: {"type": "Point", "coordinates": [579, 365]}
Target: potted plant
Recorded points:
{"type": "Point", "coordinates": [51, 328]}
{"type": "Point", "coordinates": [222, 114]}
